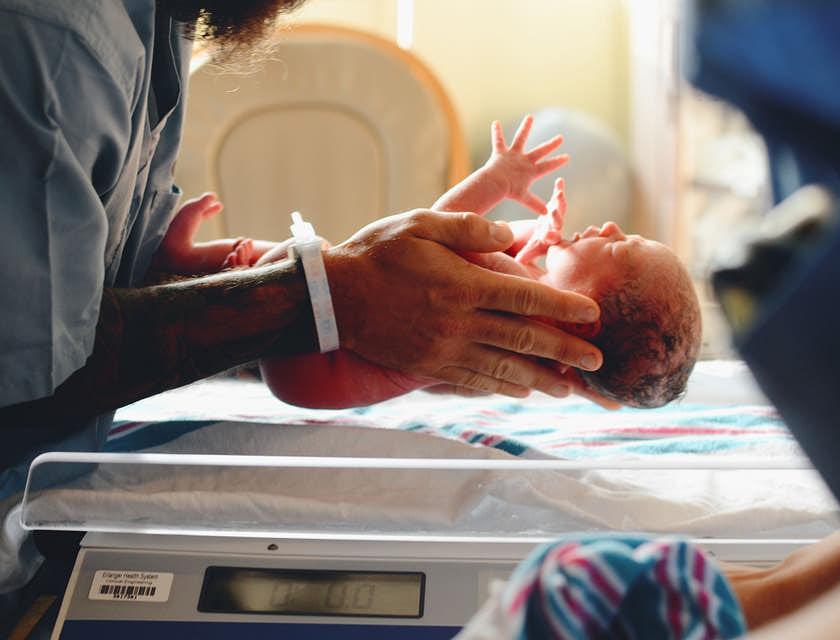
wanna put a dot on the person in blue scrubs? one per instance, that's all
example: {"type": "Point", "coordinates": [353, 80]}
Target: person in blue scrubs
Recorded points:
{"type": "Point", "coordinates": [92, 101]}
{"type": "Point", "coordinates": [778, 62]}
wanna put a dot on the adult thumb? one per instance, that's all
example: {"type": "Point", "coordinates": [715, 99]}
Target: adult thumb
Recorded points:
{"type": "Point", "coordinates": [467, 232]}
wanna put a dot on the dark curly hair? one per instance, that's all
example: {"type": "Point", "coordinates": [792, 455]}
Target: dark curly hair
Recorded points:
{"type": "Point", "coordinates": [233, 27]}
{"type": "Point", "coordinates": [650, 336]}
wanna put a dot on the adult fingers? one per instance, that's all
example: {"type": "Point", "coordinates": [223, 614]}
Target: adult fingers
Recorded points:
{"type": "Point", "coordinates": [462, 231]}
{"type": "Point", "coordinates": [499, 262]}
{"type": "Point", "coordinates": [532, 298]}
{"type": "Point", "coordinates": [533, 338]}
{"type": "Point", "coordinates": [579, 387]}
{"type": "Point", "coordinates": [479, 384]}
{"type": "Point", "coordinates": [453, 389]}
{"type": "Point", "coordinates": [499, 371]}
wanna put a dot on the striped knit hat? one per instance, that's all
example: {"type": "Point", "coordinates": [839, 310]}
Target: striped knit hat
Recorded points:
{"type": "Point", "coordinates": [598, 587]}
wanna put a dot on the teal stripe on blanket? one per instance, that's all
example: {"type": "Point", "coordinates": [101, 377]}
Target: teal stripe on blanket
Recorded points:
{"type": "Point", "coordinates": [150, 434]}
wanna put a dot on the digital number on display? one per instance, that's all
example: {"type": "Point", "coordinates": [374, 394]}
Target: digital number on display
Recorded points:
{"type": "Point", "coordinates": [312, 592]}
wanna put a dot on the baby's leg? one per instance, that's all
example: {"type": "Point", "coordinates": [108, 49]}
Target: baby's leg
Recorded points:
{"type": "Point", "coordinates": [179, 236]}
{"type": "Point", "coordinates": [335, 380]}
{"type": "Point", "coordinates": [177, 255]}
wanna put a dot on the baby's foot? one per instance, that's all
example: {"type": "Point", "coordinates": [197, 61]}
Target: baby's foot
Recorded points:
{"type": "Point", "coordinates": [241, 255]}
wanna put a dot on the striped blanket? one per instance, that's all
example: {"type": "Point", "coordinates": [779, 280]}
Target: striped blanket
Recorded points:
{"type": "Point", "coordinates": [682, 469]}
{"type": "Point", "coordinates": [722, 414]}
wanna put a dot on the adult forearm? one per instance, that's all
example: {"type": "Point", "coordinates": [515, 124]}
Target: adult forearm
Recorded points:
{"type": "Point", "coordinates": [160, 337]}
{"type": "Point", "coordinates": [770, 593]}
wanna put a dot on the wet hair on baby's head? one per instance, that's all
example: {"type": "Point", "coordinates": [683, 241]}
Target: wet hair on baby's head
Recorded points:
{"type": "Point", "coordinates": [650, 335]}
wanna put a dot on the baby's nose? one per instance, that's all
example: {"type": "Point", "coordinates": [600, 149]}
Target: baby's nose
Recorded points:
{"type": "Point", "coordinates": [609, 229]}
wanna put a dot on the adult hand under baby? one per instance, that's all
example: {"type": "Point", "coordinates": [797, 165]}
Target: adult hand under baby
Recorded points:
{"type": "Point", "coordinates": [404, 298]}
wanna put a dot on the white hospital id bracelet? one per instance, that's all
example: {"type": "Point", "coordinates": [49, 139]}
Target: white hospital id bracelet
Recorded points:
{"type": "Point", "coordinates": [308, 247]}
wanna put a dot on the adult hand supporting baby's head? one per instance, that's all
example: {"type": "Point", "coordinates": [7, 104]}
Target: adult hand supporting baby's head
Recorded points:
{"type": "Point", "coordinates": [404, 298]}
{"type": "Point", "coordinates": [580, 388]}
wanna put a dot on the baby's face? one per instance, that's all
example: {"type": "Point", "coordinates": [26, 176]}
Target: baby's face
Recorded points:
{"type": "Point", "coordinates": [600, 258]}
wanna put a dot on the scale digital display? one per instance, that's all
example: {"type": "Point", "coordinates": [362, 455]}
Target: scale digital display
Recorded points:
{"type": "Point", "coordinates": [312, 592]}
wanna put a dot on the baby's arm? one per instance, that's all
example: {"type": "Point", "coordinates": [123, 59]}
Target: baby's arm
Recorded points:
{"type": "Point", "coordinates": [508, 173]}
{"type": "Point", "coordinates": [549, 227]}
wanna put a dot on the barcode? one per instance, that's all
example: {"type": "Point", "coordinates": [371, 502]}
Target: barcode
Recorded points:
{"type": "Point", "coordinates": [126, 592]}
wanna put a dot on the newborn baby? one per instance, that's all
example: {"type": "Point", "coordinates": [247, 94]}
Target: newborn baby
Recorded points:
{"type": "Point", "coordinates": [649, 331]}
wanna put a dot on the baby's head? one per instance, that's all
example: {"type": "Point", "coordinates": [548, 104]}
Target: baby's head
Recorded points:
{"type": "Point", "coordinates": [650, 318]}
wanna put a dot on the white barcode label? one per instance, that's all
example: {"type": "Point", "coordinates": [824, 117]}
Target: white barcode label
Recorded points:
{"type": "Point", "coordinates": [131, 586]}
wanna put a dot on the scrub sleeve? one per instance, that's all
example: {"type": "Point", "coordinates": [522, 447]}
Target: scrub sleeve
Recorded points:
{"type": "Point", "coordinates": [91, 111]}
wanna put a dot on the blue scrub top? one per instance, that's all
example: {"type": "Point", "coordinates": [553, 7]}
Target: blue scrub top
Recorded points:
{"type": "Point", "coordinates": [777, 61]}
{"type": "Point", "coordinates": [91, 113]}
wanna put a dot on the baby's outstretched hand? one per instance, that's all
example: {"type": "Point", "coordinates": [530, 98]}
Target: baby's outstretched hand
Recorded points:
{"type": "Point", "coordinates": [520, 169]}
{"type": "Point", "coordinates": [548, 230]}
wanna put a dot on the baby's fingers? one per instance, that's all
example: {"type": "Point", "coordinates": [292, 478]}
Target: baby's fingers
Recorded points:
{"type": "Point", "coordinates": [534, 203]}
{"type": "Point", "coordinates": [542, 150]}
{"type": "Point", "coordinates": [552, 164]}
{"type": "Point", "coordinates": [521, 135]}
{"type": "Point", "coordinates": [498, 137]}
